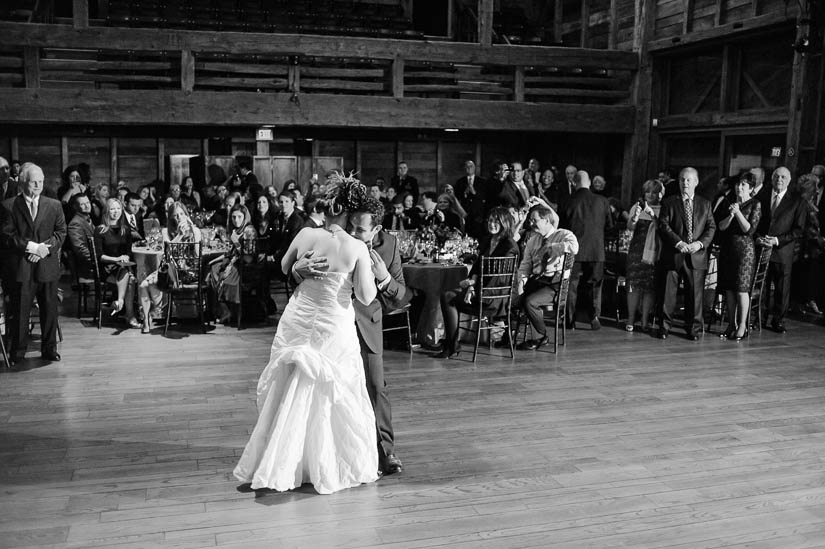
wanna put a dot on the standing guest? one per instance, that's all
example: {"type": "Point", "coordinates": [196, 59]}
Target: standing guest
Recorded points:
{"type": "Point", "coordinates": [588, 216]}
{"type": "Point", "coordinates": [533, 171]}
{"type": "Point", "coordinates": [816, 270]}
{"type": "Point", "coordinates": [736, 222]}
{"type": "Point", "coordinates": [224, 278]}
{"type": "Point", "coordinates": [179, 228]}
{"type": "Point", "coordinates": [544, 188]}
{"type": "Point", "coordinates": [686, 226]}
{"type": "Point", "coordinates": [497, 181]}
{"type": "Point", "coordinates": [471, 193]}
{"type": "Point", "coordinates": [643, 252]}
{"type": "Point", "coordinates": [113, 244]}
{"type": "Point", "coordinates": [72, 184]}
{"type": "Point", "coordinates": [781, 226]}
{"type": "Point", "coordinates": [188, 195]}
{"type": "Point", "coordinates": [565, 189]}
{"type": "Point", "coordinates": [244, 179]}
{"type": "Point", "coordinates": [497, 242]}
{"type": "Point", "coordinates": [101, 195]}
{"type": "Point", "coordinates": [668, 178]}
{"type": "Point", "coordinates": [807, 278]}
{"type": "Point", "coordinates": [288, 224]}
{"type": "Point", "coordinates": [514, 192]}
{"type": "Point", "coordinates": [539, 270]}
{"type": "Point", "coordinates": [80, 230]}
{"type": "Point", "coordinates": [134, 215]}
{"type": "Point", "coordinates": [760, 191]}
{"type": "Point", "coordinates": [36, 228]}
{"type": "Point", "coordinates": [8, 187]}
{"type": "Point", "coordinates": [402, 182]}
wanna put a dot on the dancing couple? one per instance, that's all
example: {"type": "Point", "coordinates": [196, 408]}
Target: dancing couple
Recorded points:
{"type": "Point", "coordinates": [324, 413]}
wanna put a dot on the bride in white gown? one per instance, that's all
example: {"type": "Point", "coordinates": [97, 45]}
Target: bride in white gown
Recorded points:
{"type": "Point", "coordinates": [315, 421]}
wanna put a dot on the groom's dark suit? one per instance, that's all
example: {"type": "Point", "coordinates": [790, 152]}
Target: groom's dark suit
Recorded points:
{"type": "Point", "coordinates": [368, 319]}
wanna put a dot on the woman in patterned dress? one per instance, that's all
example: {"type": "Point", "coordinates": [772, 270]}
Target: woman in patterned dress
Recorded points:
{"type": "Point", "coordinates": [643, 253]}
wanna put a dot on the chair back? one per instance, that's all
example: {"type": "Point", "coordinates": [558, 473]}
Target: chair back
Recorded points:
{"type": "Point", "coordinates": [564, 281]}
{"type": "Point", "coordinates": [497, 276]}
{"type": "Point", "coordinates": [761, 271]}
{"type": "Point", "coordinates": [95, 261]}
{"type": "Point", "coordinates": [186, 257]}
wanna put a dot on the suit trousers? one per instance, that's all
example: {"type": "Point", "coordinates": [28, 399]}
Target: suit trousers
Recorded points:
{"type": "Point", "coordinates": [379, 397]}
{"type": "Point", "coordinates": [780, 275]}
{"type": "Point", "coordinates": [534, 297]}
{"type": "Point", "coordinates": [593, 273]}
{"type": "Point", "coordinates": [694, 281]}
{"type": "Point", "coordinates": [22, 298]}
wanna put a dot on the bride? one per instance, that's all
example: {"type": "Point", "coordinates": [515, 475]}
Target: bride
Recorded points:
{"type": "Point", "coordinates": [315, 421]}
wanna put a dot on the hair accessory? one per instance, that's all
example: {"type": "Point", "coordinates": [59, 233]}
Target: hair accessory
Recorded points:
{"type": "Point", "coordinates": [347, 192]}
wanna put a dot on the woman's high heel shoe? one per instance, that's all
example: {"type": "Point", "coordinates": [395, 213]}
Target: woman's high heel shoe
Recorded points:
{"type": "Point", "coordinates": [728, 333]}
{"type": "Point", "coordinates": [734, 337]}
{"type": "Point", "coordinates": [449, 353]}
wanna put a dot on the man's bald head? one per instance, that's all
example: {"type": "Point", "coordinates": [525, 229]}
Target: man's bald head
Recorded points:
{"type": "Point", "coordinates": [582, 180]}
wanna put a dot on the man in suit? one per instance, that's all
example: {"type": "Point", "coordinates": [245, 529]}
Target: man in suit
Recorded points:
{"type": "Point", "coordinates": [515, 193]}
{"type": "Point", "coordinates": [782, 224]}
{"type": "Point", "coordinates": [8, 186]}
{"type": "Point", "coordinates": [402, 182]}
{"type": "Point", "coordinates": [36, 227]}
{"type": "Point", "coordinates": [80, 230]}
{"type": "Point", "coordinates": [470, 190]}
{"type": "Point", "coordinates": [588, 215]}
{"type": "Point", "coordinates": [133, 215]}
{"type": "Point", "coordinates": [287, 225]}
{"type": "Point", "coordinates": [392, 293]}
{"type": "Point", "coordinates": [563, 190]}
{"type": "Point", "coordinates": [687, 227]}
{"type": "Point", "coordinates": [760, 191]}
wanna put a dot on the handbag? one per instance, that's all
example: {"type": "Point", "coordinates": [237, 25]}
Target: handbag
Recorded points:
{"type": "Point", "coordinates": [168, 276]}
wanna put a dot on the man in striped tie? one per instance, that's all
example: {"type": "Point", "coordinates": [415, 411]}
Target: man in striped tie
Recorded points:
{"type": "Point", "coordinates": [687, 228]}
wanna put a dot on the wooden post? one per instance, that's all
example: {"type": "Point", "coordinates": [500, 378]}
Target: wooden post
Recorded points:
{"type": "Point", "coordinates": [113, 160]}
{"type": "Point", "coordinates": [558, 17]}
{"type": "Point", "coordinates": [187, 71]}
{"type": "Point", "coordinates": [585, 23]}
{"type": "Point", "coordinates": [518, 84]}
{"type": "Point", "coordinates": [161, 151]}
{"type": "Point", "coordinates": [687, 20]}
{"type": "Point", "coordinates": [485, 22]}
{"type": "Point", "coordinates": [80, 14]}
{"type": "Point", "coordinates": [398, 77]}
{"type": "Point", "coordinates": [205, 147]}
{"type": "Point", "coordinates": [15, 149]}
{"type": "Point", "coordinates": [613, 32]}
{"type": "Point", "coordinates": [31, 66]}
{"type": "Point", "coordinates": [477, 158]}
{"type": "Point", "coordinates": [64, 152]}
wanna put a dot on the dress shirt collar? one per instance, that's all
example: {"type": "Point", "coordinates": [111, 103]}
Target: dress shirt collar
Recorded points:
{"type": "Point", "coordinates": [688, 197]}
{"type": "Point", "coordinates": [778, 196]}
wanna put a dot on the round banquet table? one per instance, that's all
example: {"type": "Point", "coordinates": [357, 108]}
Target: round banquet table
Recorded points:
{"type": "Point", "coordinates": [432, 280]}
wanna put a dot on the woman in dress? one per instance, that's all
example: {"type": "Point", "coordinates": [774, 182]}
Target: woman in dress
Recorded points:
{"type": "Point", "coordinates": [315, 421]}
{"type": "Point", "coordinates": [642, 254]}
{"type": "Point", "coordinates": [736, 221]}
{"type": "Point", "coordinates": [497, 242]}
{"type": "Point", "coordinates": [224, 278]}
{"type": "Point", "coordinates": [179, 228]}
{"type": "Point", "coordinates": [113, 245]}
{"type": "Point", "coordinates": [188, 195]}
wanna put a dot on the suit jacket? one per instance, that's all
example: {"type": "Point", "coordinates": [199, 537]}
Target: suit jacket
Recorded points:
{"type": "Point", "coordinates": [285, 233]}
{"type": "Point", "coordinates": [10, 190]}
{"type": "Point", "coordinates": [49, 228]}
{"type": "Point", "coordinates": [561, 192]}
{"type": "Point", "coordinates": [510, 196]}
{"type": "Point", "coordinates": [138, 228]}
{"type": "Point", "coordinates": [473, 204]}
{"type": "Point", "coordinates": [673, 230]}
{"type": "Point", "coordinates": [787, 224]}
{"type": "Point", "coordinates": [80, 231]}
{"type": "Point", "coordinates": [588, 215]}
{"type": "Point", "coordinates": [368, 318]}
{"type": "Point", "coordinates": [409, 185]}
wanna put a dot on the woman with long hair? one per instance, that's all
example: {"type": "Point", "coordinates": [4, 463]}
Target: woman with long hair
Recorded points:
{"type": "Point", "coordinates": [452, 212]}
{"type": "Point", "coordinates": [224, 278]}
{"type": "Point", "coordinates": [113, 245]}
{"type": "Point", "coordinates": [188, 195]}
{"type": "Point", "coordinates": [497, 242]}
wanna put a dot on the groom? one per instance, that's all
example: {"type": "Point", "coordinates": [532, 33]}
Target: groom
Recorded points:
{"type": "Point", "coordinates": [365, 225]}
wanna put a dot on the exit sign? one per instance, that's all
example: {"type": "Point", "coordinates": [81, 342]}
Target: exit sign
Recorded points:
{"type": "Point", "coordinates": [264, 134]}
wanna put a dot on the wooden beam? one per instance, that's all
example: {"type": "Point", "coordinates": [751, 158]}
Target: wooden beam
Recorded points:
{"type": "Point", "coordinates": [585, 24]}
{"type": "Point", "coordinates": [31, 66]}
{"type": "Point", "coordinates": [724, 31]}
{"type": "Point", "coordinates": [725, 76]}
{"type": "Point", "coordinates": [777, 115]}
{"type": "Point", "coordinates": [248, 43]}
{"type": "Point", "coordinates": [687, 18]}
{"type": "Point", "coordinates": [518, 85]}
{"type": "Point", "coordinates": [187, 71]}
{"type": "Point", "coordinates": [398, 77]}
{"type": "Point", "coordinates": [613, 26]}
{"type": "Point", "coordinates": [319, 110]}
{"type": "Point", "coordinates": [717, 14]}
{"type": "Point", "coordinates": [485, 22]}
{"type": "Point", "coordinates": [80, 14]}
{"type": "Point", "coordinates": [64, 152]}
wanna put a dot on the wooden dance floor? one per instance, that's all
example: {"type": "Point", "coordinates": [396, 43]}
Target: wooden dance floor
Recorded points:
{"type": "Point", "coordinates": [621, 439]}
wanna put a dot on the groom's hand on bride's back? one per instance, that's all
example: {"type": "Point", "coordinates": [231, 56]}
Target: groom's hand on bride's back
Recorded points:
{"type": "Point", "coordinates": [310, 266]}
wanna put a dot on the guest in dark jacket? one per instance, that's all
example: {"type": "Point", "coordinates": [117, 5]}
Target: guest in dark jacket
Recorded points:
{"type": "Point", "coordinates": [288, 224]}
{"type": "Point", "coordinates": [80, 230]}
{"type": "Point", "coordinates": [498, 242]}
{"type": "Point", "coordinates": [113, 245]}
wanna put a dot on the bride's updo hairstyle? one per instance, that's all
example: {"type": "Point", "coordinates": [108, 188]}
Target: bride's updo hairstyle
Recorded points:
{"type": "Point", "coordinates": [346, 194]}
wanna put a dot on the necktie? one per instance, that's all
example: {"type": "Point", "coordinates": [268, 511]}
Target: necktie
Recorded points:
{"type": "Point", "coordinates": [470, 188]}
{"type": "Point", "coordinates": [689, 218]}
{"type": "Point", "coordinates": [774, 202]}
{"type": "Point", "coordinates": [132, 222]}
{"type": "Point", "coordinates": [34, 209]}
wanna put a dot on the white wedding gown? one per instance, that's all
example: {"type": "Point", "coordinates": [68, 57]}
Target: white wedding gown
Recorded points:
{"type": "Point", "coordinates": [315, 421]}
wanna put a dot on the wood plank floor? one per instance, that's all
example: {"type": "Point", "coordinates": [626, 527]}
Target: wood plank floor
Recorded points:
{"type": "Point", "coordinates": [620, 440]}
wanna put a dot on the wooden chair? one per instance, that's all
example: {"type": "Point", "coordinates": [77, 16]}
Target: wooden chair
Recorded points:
{"type": "Point", "coordinates": [3, 328]}
{"type": "Point", "coordinates": [558, 308]}
{"type": "Point", "coordinates": [615, 270]}
{"type": "Point", "coordinates": [395, 313]}
{"type": "Point", "coordinates": [187, 258]}
{"type": "Point", "coordinates": [497, 275]}
{"type": "Point", "coordinates": [83, 285]}
{"type": "Point", "coordinates": [100, 286]}
{"type": "Point", "coordinates": [757, 286]}
{"type": "Point", "coordinates": [251, 275]}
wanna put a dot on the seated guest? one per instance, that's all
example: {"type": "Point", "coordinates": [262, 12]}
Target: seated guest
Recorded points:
{"type": "Point", "coordinates": [299, 201]}
{"type": "Point", "coordinates": [289, 222]}
{"type": "Point", "coordinates": [395, 219]}
{"type": "Point", "coordinates": [452, 212]}
{"type": "Point", "coordinates": [113, 244]}
{"type": "Point", "coordinates": [540, 269]}
{"type": "Point", "coordinates": [121, 194]}
{"type": "Point", "coordinates": [412, 213]}
{"type": "Point", "coordinates": [389, 194]}
{"type": "Point", "coordinates": [497, 242]}
{"type": "Point", "coordinates": [376, 190]}
{"type": "Point", "coordinates": [221, 217]}
{"type": "Point", "coordinates": [188, 195]}
{"type": "Point", "coordinates": [264, 218]}
{"type": "Point", "coordinates": [214, 202]}
{"type": "Point", "coordinates": [736, 222]}
{"type": "Point", "coordinates": [224, 278]}
{"type": "Point", "coordinates": [134, 216]}
{"type": "Point", "coordinates": [272, 193]}
{"type": "Point", "coordinates": [179, 228]}
{"type": "Point", "coordinates": [148, 202]}
{"type": "Point", "coordinates": [315, 214]}
{"type": "Point", "coordinates": [72, 185]}
{"type": "Point", "coordinates": [80, 230]}
{"type": "Point", "coordinates": [101, 195]}
{"type": "Point", "coordinates": [643, 251]}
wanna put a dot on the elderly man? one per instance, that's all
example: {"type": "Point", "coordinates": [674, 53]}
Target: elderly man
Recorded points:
{"type": "Point", "coordinates": [537, 272]}
{"type": "Point", "coordinates": [471, 192]}
{"type": "Point", "coordinates": [687, 227]}
{"type": "Point", "coordinates": [587, 214]}
{"type": "Point", "coordinates": [782, 224]}
{"type": "Point", "coordinates": [36, 228]}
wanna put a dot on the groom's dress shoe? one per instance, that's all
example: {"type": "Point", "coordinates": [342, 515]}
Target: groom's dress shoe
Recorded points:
{"type": "Point", "coordinates": [392, 465]}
